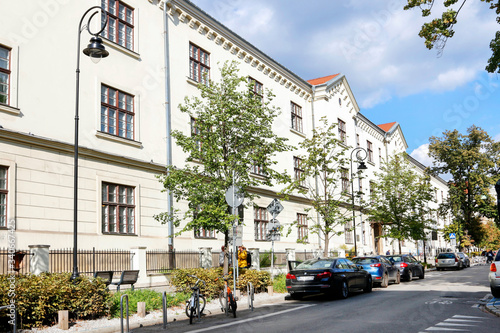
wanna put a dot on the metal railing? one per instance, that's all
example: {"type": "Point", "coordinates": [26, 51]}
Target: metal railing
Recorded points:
{"type": "Point", "coordinates": [90, 261]}
{"type": "Point", "coordinates": [159, 261]}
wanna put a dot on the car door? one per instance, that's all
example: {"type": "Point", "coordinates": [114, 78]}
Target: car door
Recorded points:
{"type": "Point", "coordinates": [358, 278]}
{"type": "Point", "coordinates": [347, 272]}
{"type": "Point", "coordinates": [416, 267]}
{"type": "Point", "coordinates": [391, 268]}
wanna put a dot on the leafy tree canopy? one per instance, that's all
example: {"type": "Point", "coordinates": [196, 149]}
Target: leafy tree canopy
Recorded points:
{"type": "Point", "coordinates": [400, 200]}
{"type": "Point", "coordinates": [231, 137]}
{"type": "Point", "coordinates": [437, 31]}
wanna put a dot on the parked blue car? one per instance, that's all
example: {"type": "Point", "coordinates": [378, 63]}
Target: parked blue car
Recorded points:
{"type": "Point", "coordinates": [381, 269]}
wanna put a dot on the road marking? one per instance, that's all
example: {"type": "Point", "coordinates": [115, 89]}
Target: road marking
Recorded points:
{"type": "Point", "coordinates": [232, 323]}
{"type": "Point", "coordinates": [445, 329]}
{"type": "Point", "coordinates": [458, 321]}
{"type": "Point", "coordinates": [462, 320]}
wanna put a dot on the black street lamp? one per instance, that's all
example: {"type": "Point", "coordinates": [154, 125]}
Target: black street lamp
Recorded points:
{"type": "Point", "coordinates": [362, 166]}
{"type": "Point", "coordinates": [95, 50]}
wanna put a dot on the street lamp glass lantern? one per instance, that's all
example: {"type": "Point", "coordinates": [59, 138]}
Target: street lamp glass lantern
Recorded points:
{"type": "Point", "coordinates": [362, 166]}
{"type": "Point", "coordinates": [95, 50]}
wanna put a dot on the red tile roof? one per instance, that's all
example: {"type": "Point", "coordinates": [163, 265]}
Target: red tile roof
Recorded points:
{"type": "Point", "coordinates": [322, 80]}
{"type": "Point", "coordinates": [386, 127]}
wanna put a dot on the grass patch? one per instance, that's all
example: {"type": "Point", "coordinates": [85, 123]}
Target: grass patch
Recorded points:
{"type": "Point", "coordinates": [279, 284]}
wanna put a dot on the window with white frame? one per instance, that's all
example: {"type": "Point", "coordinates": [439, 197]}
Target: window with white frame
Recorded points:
{"type": "Point", "coordinates": [296, 117]}
{"type": "Point", "coordinates": [369, 148]}
{"type": "Point", "coordinates": [260, 223]}
{"type": "Point", "coordinates": [117, 112]}
{"type": "Point", "coordinates": [298, 171]}
{"type": "Point", "coordinates": [303, 229]}
{"type": "Point", "coordinates": [344, 176]}
{"type": "Point", "coordinates": [199, 64]}
{"type": "Point", "coordinates": [120, 27]}
{"type": "Point", "coordinates": [118, 209]}
{"type": "Point", "coordinates": [204, 233]}
{"type": "Point", "coordinates": [195, 133]}
{"type": "Point", "coordinates": [4, 75]}
{"type": "Point", "coordinates": [3, 196]}
{"type": "Point", "coordinates": [380, 155]}
{"type": "Point", "coordinates": [342, 131]}
{"type": "Point", "coordinates": [257, 88]}
{"type": "Point", "coordinates": [348, 233]}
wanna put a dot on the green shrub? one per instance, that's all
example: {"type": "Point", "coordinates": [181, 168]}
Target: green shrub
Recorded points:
{"type": "Point", "coordinates": [182, 282]}
{"type": "Point", "coordinates": [153, 300]}
{"type": "Point", "coordinates": [39, 297]}
{"type": "Point", "coordinates": [279, 284]}
{"type": "Point", "coordinates": [265, 259]}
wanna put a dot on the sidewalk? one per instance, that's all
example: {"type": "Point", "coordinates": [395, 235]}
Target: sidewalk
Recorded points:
{"type": "Point", "coordinates": [493, 306]}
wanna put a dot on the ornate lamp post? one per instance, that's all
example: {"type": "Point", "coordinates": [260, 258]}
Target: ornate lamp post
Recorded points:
{"type": "Point", "coordinates": [361, 166]}
{"type": "Point", "coordinates": [95, 50]}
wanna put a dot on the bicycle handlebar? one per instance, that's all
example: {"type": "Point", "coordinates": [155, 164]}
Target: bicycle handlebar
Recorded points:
{"type": "Point", "coordinates": [197, 280]}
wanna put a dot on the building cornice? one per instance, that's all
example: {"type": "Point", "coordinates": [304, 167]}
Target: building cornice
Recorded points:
{"type": "Point", "coordinates": [215, 31]}
{"type": "Point", "coordinates": [29, 139]}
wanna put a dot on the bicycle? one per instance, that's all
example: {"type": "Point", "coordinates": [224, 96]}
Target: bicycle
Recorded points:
{"type": "Point", "coordinates": [196, 303]}
{"type": "Point", "coordinates": [227, 300]}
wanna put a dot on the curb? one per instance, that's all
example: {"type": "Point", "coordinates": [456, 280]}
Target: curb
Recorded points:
{"type": "Point", "coordinates": [493, 306]}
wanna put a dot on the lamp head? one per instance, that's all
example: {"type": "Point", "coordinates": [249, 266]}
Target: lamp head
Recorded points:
{"type": "Point", "coordinates": [362, 166]}
{"type": "Point", "coordinates": [95, 50]}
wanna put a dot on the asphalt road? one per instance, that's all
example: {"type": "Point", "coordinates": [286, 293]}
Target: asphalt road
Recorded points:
{"type": "Point", "coordinates": [446, 301]}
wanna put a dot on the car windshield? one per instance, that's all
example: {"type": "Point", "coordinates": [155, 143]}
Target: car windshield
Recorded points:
{"type": "Point", "coordinates": [363, 261]}
{"type": "Point", "coordinates": [395, 258]}
{"type": "Point", "coordinates": [315, 264]}
{"type": "Point", "coordinates": [446, 256]}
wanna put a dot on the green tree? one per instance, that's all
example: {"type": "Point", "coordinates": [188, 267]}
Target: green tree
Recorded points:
{"type": "Point", "coordinates": [437, 31]}
{"type": "Point", "coordinates": [231, 136]}
{"type": "Point", "coordinates": [491, 241]}
{"type": "Point", "coordinates": [322, 166]}
{"type": "Point", "coordinates": [466, 159]}
{"type": "Point", "coordinates": [400, 200]}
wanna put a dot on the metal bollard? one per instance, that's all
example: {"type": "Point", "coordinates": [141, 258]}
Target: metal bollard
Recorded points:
{"type": "Point", "coordinates": [250, 291]}
{"type": "Point", "coordinates": [164, 304]}
{"type": "Point", "coordinates": [121, 313]}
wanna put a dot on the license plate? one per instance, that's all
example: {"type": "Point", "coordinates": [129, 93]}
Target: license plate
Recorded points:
{"type": "Point", "coordinates": [305, 278]}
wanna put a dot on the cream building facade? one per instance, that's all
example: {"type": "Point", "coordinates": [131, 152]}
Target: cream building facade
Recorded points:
{"type": "Point", "coordinates": [159, 51]}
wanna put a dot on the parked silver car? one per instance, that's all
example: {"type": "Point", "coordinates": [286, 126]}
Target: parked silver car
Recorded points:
{"type": "Point", "coordinates": [464, 258]}
{"type": "Point", "coordinates": [448, 260]}
{"type": "Point", "coordinates": [494, 276]}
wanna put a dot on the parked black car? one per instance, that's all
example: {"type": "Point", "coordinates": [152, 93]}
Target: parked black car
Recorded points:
{"type": "Point", "coordinates": [332, 276]}
{"type": "Point", "coordinates": [382, 270]}
{"type": "Point", "coordinates": [409, 266]}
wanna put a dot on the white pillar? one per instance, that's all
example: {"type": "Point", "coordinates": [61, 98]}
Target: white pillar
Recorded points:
{"type": "Point", "coordinates": [39, 259]}
{"type": "Point", "coordinates": [255, 258]}
{"type": "Point", "coordinates": [138, 261]}
{"type": "Point", "coordinates": [205, 257]}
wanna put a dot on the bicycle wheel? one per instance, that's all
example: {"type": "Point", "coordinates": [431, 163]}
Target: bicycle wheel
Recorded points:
{"type": "Point", "coordinates": [203, 302]}
{"type": "Point", "coordinates": [232, 305]}
{"type": "Point", "coordinates": [191, 315]}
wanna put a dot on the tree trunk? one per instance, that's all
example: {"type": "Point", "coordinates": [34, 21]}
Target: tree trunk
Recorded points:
{"type": "Point", "coordinates": [327, 240]}
{"type": "Point", "coordinates": [399, 243]}
{"type": "Point", "coordinates": [226, 252]}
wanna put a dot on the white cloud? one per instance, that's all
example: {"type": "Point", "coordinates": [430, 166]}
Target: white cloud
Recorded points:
{"type": "Point", "coordinates": [453, 78]}
{"type": "Point", "coordinates": [421, 154]}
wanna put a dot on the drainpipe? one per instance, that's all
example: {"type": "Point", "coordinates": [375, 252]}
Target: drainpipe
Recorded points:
{"type": "Point", "coordinates": [316, 178]}
{"type": "Point", "coordinates": [169, 123]}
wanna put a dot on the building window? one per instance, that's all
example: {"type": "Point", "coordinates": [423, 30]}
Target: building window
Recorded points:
{"type": "Point", "coordinates": [344, 176]}
{"type": "Point", "coordinates": [117, 112]}
{"type": "Point", "coordinates": [302, 227]}
{"type": "Point", "coordinates": [369, 147]}
{"type": "Point", "coordinates": [360, 180]}
{"type": "Point", "coordinates": [257, 88]}
{"type": "Point", "coordinates": [380, 155]}
{"type": "Point", "coordinates": [296, 117]}
{"type": "Point", "coordinates": [118, 209]}
{"type": "Point", "coordinates": [298, 171]}
{"type": "Point", "coordinates": [3, 197]}
{"type": "Point", "coordinates": [195, 133]}
{"type": "Point", "coordinates": [120, 28]}
{"type": "Point", "coordinates": [357, 140]}
{"type": "Point", "coordinates": [349, 239]}
{"type": "Point", "coordinates": [342, 131]}
{"type": "Point", "coordinates": [258, 169]}
{"type": "Point", "coordinates": [204, 233]}
{"type": "Point", "coordinates": [4, 74]}
{"type": "Point", "coordinates": [372, 192]}
{"type": "Point", "coordinates": [260, 221]}
{"type": "Point", "coordinates": [199, 64]}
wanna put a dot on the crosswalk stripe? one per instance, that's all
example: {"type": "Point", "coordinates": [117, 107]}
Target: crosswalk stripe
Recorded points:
{"type": "Point", "coordinates": [463, 320]}
{"type": "Point", "coordinates": [445, 329]}
{"type": "Point", "coordinates": [469, 317]}
{"type": "Point", "coordinates": [452, 324]}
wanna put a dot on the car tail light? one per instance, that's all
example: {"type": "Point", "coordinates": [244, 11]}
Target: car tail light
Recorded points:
{"type": "Point", "coordinates": [375, 265]}
{"type": "Point", "coordinates": [493, 267]}
{"type": "Point", "coordinates": [403, 264]}
{"type": "Point", "coordinates": [456, 259]}
{"type": "Point", "coordinates": [291, 277]}
{"type": "Point", "coordinates": [436, 260]}
{"type": "Point", "coordinates": [324, 275]}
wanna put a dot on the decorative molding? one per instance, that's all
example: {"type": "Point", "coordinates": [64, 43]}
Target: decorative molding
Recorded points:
{"type": "Point", "coordinates": [114, 138]}
{"type": "Point", "coordinates": [10, 110]}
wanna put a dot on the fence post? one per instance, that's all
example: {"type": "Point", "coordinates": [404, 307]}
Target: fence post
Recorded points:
{"type": "Point", "coordinates": [139, 262]}
{"type": "Point", "coordinates": [205, 257]}
{"type": "Point", "coordinates": [39, 259]}
{"type": "Point", "coordinates": [255, 259]}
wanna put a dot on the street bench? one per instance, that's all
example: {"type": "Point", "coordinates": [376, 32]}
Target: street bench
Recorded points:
{"type": "Point", "coordinates": [107, 276]}
{"type": "Point", "coordinates": [127, 277]}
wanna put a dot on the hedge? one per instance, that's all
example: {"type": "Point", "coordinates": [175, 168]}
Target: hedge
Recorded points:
{"type": "Point", "coordinates": [38, 298]}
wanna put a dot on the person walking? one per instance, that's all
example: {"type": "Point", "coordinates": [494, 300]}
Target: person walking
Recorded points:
{"type": "Point", "coordinates": [242, 257]}
{"type": "Point", "coordinates": [489, 255]}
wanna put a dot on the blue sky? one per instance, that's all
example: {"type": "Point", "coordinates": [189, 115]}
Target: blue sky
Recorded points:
{"type": "Point", "coordinates": [376, 45]}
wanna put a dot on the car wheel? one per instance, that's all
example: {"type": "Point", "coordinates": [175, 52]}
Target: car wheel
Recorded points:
{"type": "Point", "coordinates": [495, 292]}
{"type": "Point", "coordinates": [398, 278]}
{"type": "Point", "coordinates": [409, 276]}
{"type": "Point", "coordinates": [369, 285]}
{"type": "Point", "coordinates": [343, 292]}
{"type": "Point", "coordinates": [438, 269]}
{"type": "Point", "coordinates": [385, 281]}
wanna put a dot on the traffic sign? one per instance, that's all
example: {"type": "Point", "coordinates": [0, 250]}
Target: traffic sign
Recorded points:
{"type": "Point", "coordinates": [275, 207]}
{"type": "Point", "coordinates": [453, 235]}
{"type": "Point", "coordinates": [234, 196]}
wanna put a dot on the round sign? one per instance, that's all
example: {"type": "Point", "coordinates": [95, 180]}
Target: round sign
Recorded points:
{"type": "Point", "coordinates": [234, 196]}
